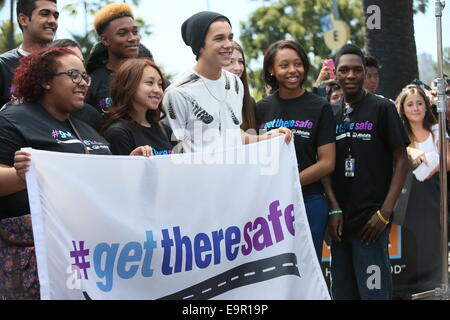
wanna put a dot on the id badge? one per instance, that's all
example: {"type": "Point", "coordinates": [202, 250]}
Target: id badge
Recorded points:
{"type": "Point", "coordinates": [349, 167]}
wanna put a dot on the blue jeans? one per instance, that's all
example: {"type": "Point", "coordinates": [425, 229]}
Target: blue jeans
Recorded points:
{"type": "Point", "coordinates": [359, 271]}
{"type": "Point", "coordinates": [317, 212]}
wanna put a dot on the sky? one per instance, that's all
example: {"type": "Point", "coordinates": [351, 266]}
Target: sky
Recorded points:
{"type": "Point", "coordinates": [166, 17]}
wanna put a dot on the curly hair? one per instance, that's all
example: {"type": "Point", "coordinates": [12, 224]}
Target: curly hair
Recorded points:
{"type": "Point", "coordinates": [35, 70]}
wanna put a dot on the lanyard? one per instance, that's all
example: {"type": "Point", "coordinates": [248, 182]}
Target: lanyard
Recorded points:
{"type": "Point", "coordinates": [349, 111]}
{"type": "Point", "coordinates": [346, 123]}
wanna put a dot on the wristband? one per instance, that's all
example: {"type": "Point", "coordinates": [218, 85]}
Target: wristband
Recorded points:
{"type": "Point", "coordinates": [382, 218]}
{"type": "Point", "coordinates": [335, 212]}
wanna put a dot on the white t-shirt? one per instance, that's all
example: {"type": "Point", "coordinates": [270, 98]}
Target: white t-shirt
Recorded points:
{"type": "Point", "coordinates": [431, 145]}
{"type": "Point", "coordinates": [205, 114]}
{"type": "Point", "coordinates": [431, 148]}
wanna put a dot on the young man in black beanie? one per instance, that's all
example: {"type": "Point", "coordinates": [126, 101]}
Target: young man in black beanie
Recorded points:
{"type": "Point", "coordinates": [204, 105]}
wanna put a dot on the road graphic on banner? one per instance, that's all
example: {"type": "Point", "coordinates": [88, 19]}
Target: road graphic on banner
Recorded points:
{"type": "Point", "coordinates": [244, 275]}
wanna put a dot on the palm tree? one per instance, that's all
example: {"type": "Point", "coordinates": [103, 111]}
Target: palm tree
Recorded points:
{"type": "Point", "coordinates": [393, 45]}
{"type": "Point", "coordinates": [5, 44]}
{"type": "Point", "coordinates": [11, 39]}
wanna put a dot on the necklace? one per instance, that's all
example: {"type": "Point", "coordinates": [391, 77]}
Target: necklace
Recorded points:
{"type": "Point", "coordinates": [209, 91]}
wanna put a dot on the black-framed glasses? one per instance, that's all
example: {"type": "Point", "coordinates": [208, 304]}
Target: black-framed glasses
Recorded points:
{"type": "Point", "coordinates": [76, 76]}
{"type": "Point", "coordinates": [348, 110]}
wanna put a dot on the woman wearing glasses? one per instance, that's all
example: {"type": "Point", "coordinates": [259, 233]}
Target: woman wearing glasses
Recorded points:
{"type": "Point", "coordinates": [311, 120]}
{"type": "Point", "coordinates": [50, 84]}
{"type": "Point", "coordinates": [422, 223]}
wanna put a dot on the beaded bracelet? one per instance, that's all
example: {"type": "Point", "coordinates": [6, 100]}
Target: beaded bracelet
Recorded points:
{"type": "Point", "coordinates": [335, 212]}
{"type": "Point", "coordinates": [382, 218]}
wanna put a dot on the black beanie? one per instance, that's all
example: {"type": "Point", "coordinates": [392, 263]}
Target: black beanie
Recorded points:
{"type": "Point", "coordinates": [195, 28]}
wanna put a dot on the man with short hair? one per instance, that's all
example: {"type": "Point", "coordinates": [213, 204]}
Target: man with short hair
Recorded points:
{"type": "Point", "coordinates": [204, 105]}
{"type": "Point", "coordinates": [119, 40]}
{"type": "Point", "coordinates": [372, 76]}
{"type": "Point", "coordinates": [38, 20]}
{"type": "Point", "coordinates": [370, 138]}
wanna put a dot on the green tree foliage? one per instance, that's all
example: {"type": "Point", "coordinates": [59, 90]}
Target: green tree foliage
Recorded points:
{"type": "Point", "coordinates": [420, 6]}
{"type": "Point", "coordinates": [86, 42]}
{"type": "Point", "coordinates": [297, 20]}
{"type": "Point", "coordinates": [5, 28]}
{"type": "Point", "coordinates": [90, 8]}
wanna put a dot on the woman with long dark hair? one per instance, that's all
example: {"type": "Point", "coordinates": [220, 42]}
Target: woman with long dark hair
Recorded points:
{"type": "Point", "coordinates": [135, 117]}
{"type": "Point", "coordinates": [311, 120]}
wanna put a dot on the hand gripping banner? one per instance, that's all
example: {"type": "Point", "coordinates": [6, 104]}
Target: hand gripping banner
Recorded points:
{"type": "Point", "coordinates": [187, 226]}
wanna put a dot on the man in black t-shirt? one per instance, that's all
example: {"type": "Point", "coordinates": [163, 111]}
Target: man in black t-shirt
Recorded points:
{"type": "Point", "coordinates": [370, 139]}
{"type": "Point", "coordinates": [119, 40]}
{"type": "Point", "coordinates": [38, 21]}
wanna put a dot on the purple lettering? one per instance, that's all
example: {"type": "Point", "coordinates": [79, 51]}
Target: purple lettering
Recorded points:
{"type": "Point", "coordinates": [246, 250]}
{"type": "Point", "coordinates": [289, 219]}
{"type": "Point", "coordinates": [262, 234]}
{"type": "Point", "coordinates": [274, 218]}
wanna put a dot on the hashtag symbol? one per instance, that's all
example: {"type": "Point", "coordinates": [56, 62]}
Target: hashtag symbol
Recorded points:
{"type": "Point", "coordinates": [80, 255]}
{"type": "Point", "coordinates": [55, 133]}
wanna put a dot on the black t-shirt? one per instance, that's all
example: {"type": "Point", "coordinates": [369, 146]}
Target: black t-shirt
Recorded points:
{"type": "Point", "coordinates": [125, 136]}
{"type": "Point", "coordinates": [376, 131]}
{"type": "Point", "coordinates": [89, 115]}
{"type": "Point", "coordinates": [30, 125]}
{"type": "Point", "coordinates": [99, 95]}
{"type": "Point", "coordinates": [8, 63]}
{"type": "Point", "coordinates": [312, 123]}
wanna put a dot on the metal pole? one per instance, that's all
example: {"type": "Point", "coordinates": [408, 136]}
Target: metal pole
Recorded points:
{"type": "Point", "coordinates": [85, 17]}
{"type": "Point", "coordinates": [443, 292]}
{"type": "Point", "coordinates": [336, 10]}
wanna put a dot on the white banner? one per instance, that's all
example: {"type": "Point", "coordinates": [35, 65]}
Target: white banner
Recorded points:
{"type": "Point", "coordinates": [173, 227]}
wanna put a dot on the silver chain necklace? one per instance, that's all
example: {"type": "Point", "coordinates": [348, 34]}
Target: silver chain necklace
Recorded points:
{"type": "Point", "coordinates": [218, 100]}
